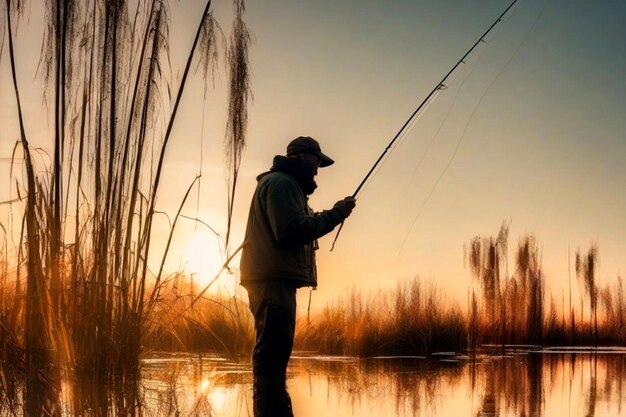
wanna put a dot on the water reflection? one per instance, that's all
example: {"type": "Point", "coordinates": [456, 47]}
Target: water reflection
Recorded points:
{"type": "Point", "coordinates": [550, 383]}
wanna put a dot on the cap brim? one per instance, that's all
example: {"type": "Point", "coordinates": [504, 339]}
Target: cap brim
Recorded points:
{"type": "Point", "coordinates": [325, 160]}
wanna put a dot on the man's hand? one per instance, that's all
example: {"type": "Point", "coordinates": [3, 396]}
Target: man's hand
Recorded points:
{"type": "Point", "coordinates": [345, 206]}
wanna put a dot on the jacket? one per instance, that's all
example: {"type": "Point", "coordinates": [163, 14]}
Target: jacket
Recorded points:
{"type": "Point", "coordinates": [282, 232]}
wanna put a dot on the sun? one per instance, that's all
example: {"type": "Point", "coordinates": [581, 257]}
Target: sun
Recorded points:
{"type": "Point", "coordinates": [203, 256]}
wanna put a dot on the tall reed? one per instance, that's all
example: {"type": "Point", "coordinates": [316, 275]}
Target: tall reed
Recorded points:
{"type": "Point", "coordinates": [90, 215]}
{"type": "Point", "coordinates": [586, 273]}
{"type": "Point", "coordinates": [512, 307]}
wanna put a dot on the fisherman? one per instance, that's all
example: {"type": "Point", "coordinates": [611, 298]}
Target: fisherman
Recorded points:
{"type": "Point", "coordinates": [278, 258]}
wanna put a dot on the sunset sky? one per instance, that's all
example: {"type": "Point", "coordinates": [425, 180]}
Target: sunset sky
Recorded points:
{"type": "Point", "coordinates": [532, 130]}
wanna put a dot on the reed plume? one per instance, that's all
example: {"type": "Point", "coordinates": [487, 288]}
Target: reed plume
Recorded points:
{"type": "Point", "coordinates": [586, 273]}
{"type": "Point", "coordinates": [239, 93]}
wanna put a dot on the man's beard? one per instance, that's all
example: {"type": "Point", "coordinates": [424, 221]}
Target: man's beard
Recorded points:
{"type": "Point", "coordinates": [301, 171]}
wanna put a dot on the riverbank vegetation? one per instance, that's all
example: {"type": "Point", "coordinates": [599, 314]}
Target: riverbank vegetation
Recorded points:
{"type": "Point", "coordinates": [503, 308]}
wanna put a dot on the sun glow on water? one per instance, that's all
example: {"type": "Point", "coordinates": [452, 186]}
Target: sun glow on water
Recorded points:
{"type": "Point", "coordinates": [204, 385]}
{"type": "Point", "coordinates": [217, 399]}
{"type": "Point", "coordinates": [215, 396]}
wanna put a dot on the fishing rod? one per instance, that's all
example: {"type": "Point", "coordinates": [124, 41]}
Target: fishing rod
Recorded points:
{"type": "Point", "coordinates": [440, 85]}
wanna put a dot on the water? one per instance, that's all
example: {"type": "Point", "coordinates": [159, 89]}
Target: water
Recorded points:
{"type": "Point", "coordinates": [557, 382]}
{"type": "Point", "coordinates": [551, 382]}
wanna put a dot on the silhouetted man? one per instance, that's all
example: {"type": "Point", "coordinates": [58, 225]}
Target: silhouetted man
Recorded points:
{"type": "Point", "coordinates": [278, 258]}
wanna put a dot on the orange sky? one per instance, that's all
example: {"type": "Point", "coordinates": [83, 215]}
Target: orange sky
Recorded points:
{"type": "Point", "coordinates": [537, 114]}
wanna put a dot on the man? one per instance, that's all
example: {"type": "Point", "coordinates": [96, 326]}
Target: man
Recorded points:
{"type": "Point", "coordinates": [279, 257]}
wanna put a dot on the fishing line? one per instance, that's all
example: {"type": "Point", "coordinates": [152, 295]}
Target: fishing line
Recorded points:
{"type": "Point", "coordinates": [481, 52]}
{"type": "Point", "coordinates": [435, 136]}
{"type": "Point", "coordinates": [450, 107]}
{"type": "Point", "coordinates": [401, 139]}
{"type": "Point", "coordinates": [436, 89]}
{"type": "Point", "coordinates": [467, 124]}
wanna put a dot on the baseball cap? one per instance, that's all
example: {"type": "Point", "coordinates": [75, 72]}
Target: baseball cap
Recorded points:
{"type": "Point", "coordinates": [306, 144]}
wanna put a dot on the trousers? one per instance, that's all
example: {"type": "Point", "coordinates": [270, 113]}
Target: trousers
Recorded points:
{"type": "Point", "coordinates": [273, 305]}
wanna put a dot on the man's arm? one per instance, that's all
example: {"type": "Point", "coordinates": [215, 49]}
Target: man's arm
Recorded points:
{"type": "Point", "coordinates": [290, 223]}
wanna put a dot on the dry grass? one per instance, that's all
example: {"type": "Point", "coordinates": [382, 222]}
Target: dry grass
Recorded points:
{"type": "Point", "coordinates": [503, 309]}
{"type": "Point", "coordinates": [412, 319]}
{"type": "Point", "coordinates": [218, 323]}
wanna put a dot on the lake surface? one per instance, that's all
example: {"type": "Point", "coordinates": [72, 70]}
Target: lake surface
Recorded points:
{"type": "Point", "coordinates": [559, 382]}
{"type": "Point", "coordinates": [554, 382]}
